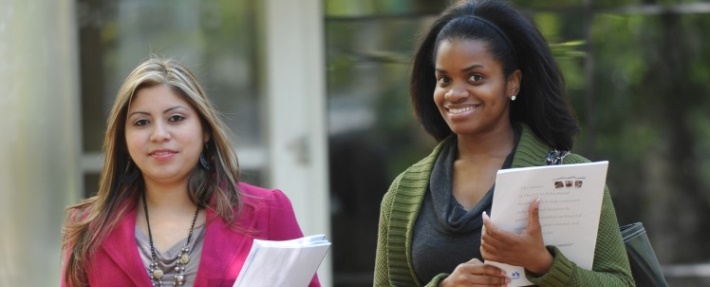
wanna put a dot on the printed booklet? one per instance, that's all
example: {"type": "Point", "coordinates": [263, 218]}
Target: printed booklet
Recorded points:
{"type": "Point", "coordinates": [570, 206]}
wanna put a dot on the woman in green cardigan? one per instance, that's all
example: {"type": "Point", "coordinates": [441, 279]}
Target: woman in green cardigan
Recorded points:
{"type": "Point", "coordinates": [486, 86]}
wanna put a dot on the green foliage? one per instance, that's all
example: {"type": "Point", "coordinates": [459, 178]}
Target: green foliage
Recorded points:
{"type": "Point", "coordinates": [636, 79]}
{"type": "Point", "coordinates": [385, 8]}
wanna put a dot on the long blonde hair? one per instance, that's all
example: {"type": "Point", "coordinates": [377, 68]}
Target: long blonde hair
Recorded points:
{"type": "Point", "coordinates": [91, 220]}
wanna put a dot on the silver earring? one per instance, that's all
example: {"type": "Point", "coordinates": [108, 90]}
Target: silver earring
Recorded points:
{"type": "Point", "coordinates": [512, 98]}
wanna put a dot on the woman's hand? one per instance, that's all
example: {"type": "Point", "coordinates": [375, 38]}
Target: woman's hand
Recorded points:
{"type": "Point", "coordinates": [525, 249]}
{"type": "Point", "coordinates": [475, 273]}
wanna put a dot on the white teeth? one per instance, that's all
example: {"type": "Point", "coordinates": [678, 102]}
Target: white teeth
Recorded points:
{"type": "Point", "coordinates": [460, 110]}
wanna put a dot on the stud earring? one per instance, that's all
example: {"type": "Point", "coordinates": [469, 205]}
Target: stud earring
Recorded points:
{"type": "Point", "coordinates": [513, 98]}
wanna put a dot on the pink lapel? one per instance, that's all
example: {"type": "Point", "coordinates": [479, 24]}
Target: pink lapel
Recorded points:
{"type": "Point", "coordinates": [223, 252]}
{"type": "Point", "coordinates": [120, 246]}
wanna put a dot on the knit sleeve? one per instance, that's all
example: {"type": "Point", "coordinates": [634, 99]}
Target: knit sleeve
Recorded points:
{"type": "Point", "coordinates": [611, 264]}
{"type": "Point", "coordinates": [381, 264]}
{"type": "Point", "coordinates": [437, 280]}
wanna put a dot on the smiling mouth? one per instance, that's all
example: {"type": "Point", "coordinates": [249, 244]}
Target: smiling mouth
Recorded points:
{"type": "Point", "coordinates": [460, 110]}
{"type": "Point", "coordinates": [162, 153]}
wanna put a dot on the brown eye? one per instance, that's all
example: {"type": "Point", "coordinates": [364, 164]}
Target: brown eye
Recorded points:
{"type": "Point", "coordinates": [176, 118]}
{"type": "Point", "coordinates": [442, 81]}
{"type": "Point", "coordinates": [140, 123]}
{"type": "Point", "coordinates": [475, 78]}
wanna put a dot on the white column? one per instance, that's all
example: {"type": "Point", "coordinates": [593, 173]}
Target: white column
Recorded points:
{"type": "Point", "coordinates": [294, 82]}
{"type": "Point", "coordinates": [40, 141]}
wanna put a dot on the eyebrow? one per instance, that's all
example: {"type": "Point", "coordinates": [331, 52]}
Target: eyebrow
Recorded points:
{"type": "Point", "coordinates": [164, 112]}
{"type": "Point", "coordinates": [469, 68]}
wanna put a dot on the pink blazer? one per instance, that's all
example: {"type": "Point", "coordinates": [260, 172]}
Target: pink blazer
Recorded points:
{"type": "Point", "coordinates": [268, 212]}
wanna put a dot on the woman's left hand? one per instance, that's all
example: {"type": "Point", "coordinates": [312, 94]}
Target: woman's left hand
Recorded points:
{"type": "Point", "coordinates": [526, 249]}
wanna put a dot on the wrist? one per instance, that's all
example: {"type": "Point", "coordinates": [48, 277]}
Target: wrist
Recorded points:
{"type": "Point", "coordinates": [543, 264]}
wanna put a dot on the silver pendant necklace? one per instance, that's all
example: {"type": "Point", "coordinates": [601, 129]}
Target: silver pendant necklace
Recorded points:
{"type": "Point", "coordinates": [154, 270]}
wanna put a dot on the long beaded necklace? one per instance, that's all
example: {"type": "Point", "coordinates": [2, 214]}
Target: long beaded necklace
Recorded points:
{"type": "Point", "coordinates": [154, 271]}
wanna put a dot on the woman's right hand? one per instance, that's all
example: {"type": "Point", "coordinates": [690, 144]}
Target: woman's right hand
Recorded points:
{"type": "Point", "coordinates": [475, 273]}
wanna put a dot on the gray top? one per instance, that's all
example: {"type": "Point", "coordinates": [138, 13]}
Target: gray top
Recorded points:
{"type": "Point", "coordinates": [445, 234]}
{"type": "Point", "coordinates": [168, 259]}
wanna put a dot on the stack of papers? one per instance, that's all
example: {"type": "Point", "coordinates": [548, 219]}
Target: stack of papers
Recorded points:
{"type": "Point", "coordinates": [283, 263]}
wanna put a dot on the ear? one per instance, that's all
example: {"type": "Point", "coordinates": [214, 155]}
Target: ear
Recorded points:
{"type": "Point", "coordinates": [206, 137]}
{"type": "Point", "coordinates": [513, 83]}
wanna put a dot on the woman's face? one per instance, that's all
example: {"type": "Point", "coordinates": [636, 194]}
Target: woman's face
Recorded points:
{"type": "Point", "coordinates": [164, 135]}
{"type": "Point", "coordinates": [472, 93]}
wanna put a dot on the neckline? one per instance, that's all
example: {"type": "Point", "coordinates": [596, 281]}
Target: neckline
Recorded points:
{"type": "Point", "coordinates": [175, 249]}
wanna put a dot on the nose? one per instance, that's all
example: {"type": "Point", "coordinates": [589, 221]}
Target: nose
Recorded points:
{"type": "Point", "coordinates": [455, 94]}
{"type": "Point", "coordinates": [159, 133]}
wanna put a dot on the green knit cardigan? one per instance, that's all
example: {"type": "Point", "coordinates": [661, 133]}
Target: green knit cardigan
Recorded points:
{"type": "Point", "coordinates": [400, 207]}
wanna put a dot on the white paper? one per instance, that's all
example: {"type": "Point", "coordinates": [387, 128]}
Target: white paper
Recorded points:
{"type": "Point", "coordinates": [283, 263]}
{"type": "Point", "coordinates": [570, 206]}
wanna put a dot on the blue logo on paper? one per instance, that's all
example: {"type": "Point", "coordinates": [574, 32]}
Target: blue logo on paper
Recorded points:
{"type": "Point", "coordinates": [515, 275]}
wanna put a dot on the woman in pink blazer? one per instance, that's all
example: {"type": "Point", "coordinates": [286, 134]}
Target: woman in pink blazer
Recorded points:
{"type": "Point", "coordinates": [169, 209]}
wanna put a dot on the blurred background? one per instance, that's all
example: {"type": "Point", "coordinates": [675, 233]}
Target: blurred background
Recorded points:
{"type": "Point", "coordinates": [316, 93]}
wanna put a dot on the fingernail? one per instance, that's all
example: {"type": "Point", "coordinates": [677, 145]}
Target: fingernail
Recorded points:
{"type": "Point", "coordinates": [484, 215]}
